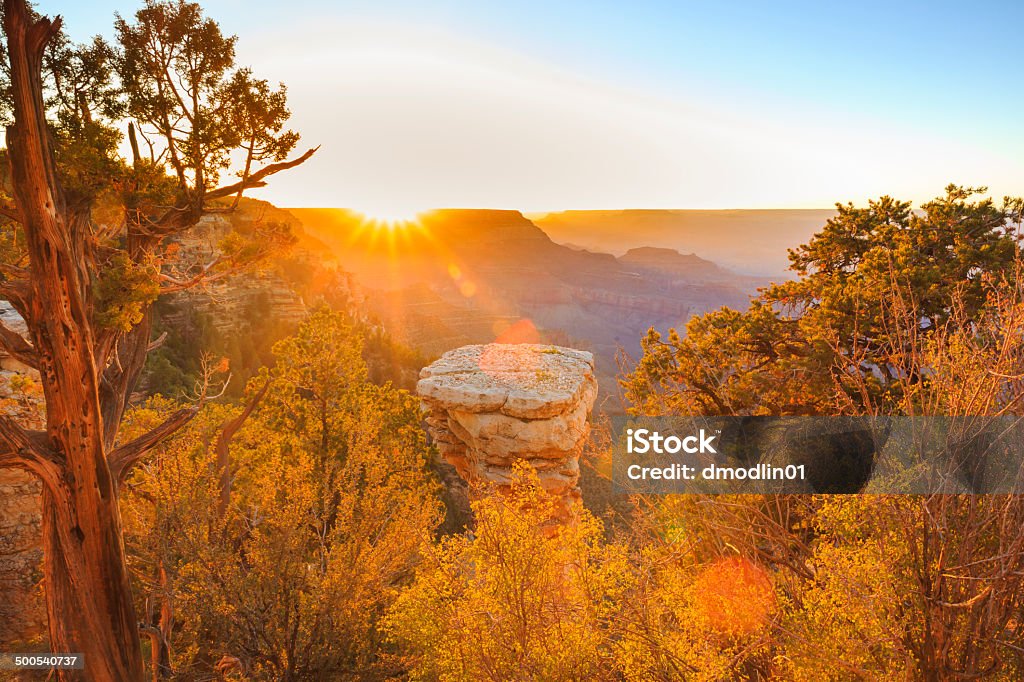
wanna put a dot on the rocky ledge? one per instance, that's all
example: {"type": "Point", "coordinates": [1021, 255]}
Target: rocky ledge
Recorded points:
{"type": "Point", "coordinates": [491, 405]}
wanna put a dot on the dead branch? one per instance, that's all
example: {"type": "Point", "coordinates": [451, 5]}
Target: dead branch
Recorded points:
{"type": "Point", "coordinates": [256, 179]}
{"type": "Point", "coordinates": [19, 440]}
{"type": "Point", "coordinates": [28, 450]}
{"type": "Point", "coordinates": [18, 294]}
{"type": "Point", "coordinates": [227, 433]}
{"type": "Point", "coordinates": [122, 458]}
{"type": "Point", "coordinates": [204, 276]}
{"type": "Point", "coordinates": [157, 342]}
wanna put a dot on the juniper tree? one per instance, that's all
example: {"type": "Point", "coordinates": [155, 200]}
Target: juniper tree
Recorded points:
{"type": "Point", "coordinates": [85, 285]}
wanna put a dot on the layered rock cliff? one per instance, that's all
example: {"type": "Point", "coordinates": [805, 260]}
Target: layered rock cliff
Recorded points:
{"type": "Point", "coordinates": [227, 302]}
{"type": "Point", "coordinates": [490, 406]}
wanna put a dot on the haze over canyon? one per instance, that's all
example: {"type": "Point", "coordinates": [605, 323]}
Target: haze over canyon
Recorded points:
{"type": "Point", "coordinates": [460, 276]}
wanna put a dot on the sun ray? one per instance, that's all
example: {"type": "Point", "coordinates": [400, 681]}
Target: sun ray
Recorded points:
{"type": "Point", "coordinates": [390, 217]}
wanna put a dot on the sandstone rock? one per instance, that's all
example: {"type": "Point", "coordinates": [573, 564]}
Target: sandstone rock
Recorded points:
{"type": "Point", "coordinates": [497, 433]}
{"type": "Point", "coordinates": [489, 406]}
{"type": "Point", "coordinates": [529, 381]}
{"type": "Point", "coordinates": [13, 321]}
{"type": "Point", "coordinates": [22, 614]}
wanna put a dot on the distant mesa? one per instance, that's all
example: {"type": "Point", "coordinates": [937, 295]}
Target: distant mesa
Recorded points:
{"type": "Point", "coordinates": [670, 261]}
{"type": "Point", "coordinates": [574, 247]}
{"type": "Point", "coordinates": [751, 241]}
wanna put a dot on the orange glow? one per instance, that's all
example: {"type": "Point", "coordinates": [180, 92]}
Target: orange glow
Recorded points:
{"type": "Point", "coordinates": [734, 596]}
{"type": "Point", "coordinates": [523, 331]}
{"type": "Point", "coordinates": [391, 216]}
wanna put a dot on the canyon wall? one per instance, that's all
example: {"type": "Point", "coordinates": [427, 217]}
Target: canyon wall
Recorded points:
{"type": "Point", "coordinates": [22, 612]}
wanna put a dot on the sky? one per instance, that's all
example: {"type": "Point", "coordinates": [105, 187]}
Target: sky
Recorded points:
{"type": "Point", "coordinates": [543, 106]}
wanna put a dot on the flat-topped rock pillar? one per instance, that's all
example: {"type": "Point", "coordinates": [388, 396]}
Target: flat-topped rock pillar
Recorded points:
{"type": "Point", "coordinates": [492, 405]}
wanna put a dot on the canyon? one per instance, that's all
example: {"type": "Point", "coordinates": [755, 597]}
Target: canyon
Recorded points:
{"type": "Point", "coordinates": [746, 240]}
{"type": "Point", "coordinates": [460, 284]}
{"type": "Point", "coordinates": [467, 276]}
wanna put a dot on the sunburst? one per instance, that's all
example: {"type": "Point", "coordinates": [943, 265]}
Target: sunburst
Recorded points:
{"type": "Point", "coordinates": [392, 216]}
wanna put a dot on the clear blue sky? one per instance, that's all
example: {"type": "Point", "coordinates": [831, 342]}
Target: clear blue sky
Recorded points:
{"type": "Point", "coordinates": [933, 74]}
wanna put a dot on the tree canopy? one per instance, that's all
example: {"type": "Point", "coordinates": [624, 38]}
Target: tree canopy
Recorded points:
{"type": "Point", "coordinates": [879, 295]}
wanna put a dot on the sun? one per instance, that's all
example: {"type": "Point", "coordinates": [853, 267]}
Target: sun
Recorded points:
{"type": "Point", "coordinates": [391, 215]}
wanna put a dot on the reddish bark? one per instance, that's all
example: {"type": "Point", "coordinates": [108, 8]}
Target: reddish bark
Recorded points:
{"type": "Point", "coordinates": [89, 601]}
{"type": "Point", "coordinates": [86, 373]}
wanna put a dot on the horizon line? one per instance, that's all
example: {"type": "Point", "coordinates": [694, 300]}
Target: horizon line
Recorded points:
{"type": "Point", "coordinates": [559, 210]}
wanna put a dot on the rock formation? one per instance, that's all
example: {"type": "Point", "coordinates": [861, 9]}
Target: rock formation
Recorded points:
{"type": "Point", "coordinates": [22, 613]}
{"type": "Point", "coordinates": [491, 405]}
{"type": "Point", "coordinates": [228, 303]}
{"type": "Point", "coordinates": [13, 321]}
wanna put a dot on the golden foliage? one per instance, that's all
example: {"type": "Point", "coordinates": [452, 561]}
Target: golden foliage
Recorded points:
{"type": "Point", "coordinates": [329, 504]}
{"type": "Point", "coordinates": [512, 601]}
{"type": "Point", "coordinates": [734, 596]}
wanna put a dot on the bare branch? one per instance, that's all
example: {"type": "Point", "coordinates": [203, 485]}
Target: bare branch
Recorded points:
{"type": "Point", "coordinates": [122, 357]}
{"type": "Point", "coordinates": [256, 179]}
{"type": "Point", "coordinates": [28, 450]}
{"type": "Point", "coordinates": [17, 293]}
{"type": "Point", "coordinates": [16, 437]}
{"type": "Point", "coordinates": [11, 458]}
{"type": "Point", "coordinates": [184, 215]}
{"type": "Point", "coordinates": [122, 458]}
{"type": "Point", "coordinates": [227, 433]}
{"type": "Point", "coordinates": [208, 370]}
{"type": "Point", "coordinates": [13, 272]}
{"type": "Point", "coordinates": [156, 343]}
{"type": "Point", "coordinates": [174, 219]}
{"type": "Point", "coordinates": [205, 275]}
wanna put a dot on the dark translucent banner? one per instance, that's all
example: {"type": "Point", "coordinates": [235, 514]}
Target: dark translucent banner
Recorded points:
{"type": "Point", "coordinates": [903, 455]}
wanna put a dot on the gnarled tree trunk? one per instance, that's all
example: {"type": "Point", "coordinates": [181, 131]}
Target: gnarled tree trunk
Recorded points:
{"type": "Point", "coordinates": [87, 373]}
{"type": "Point", "coordinates": [88, 597]}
